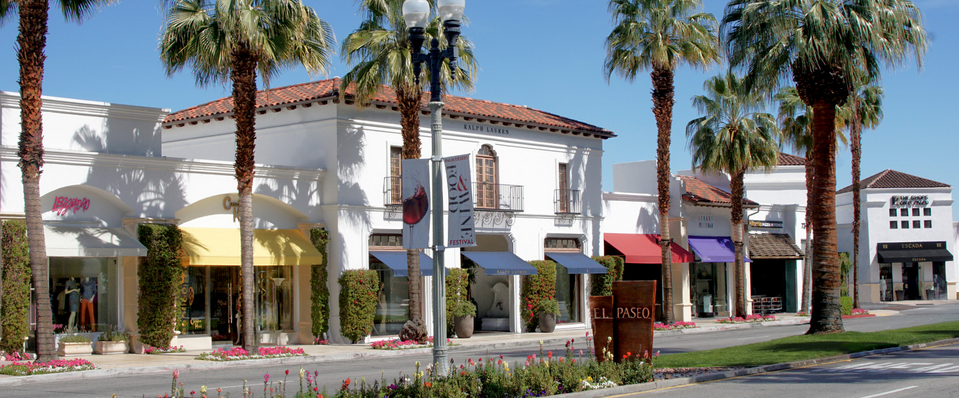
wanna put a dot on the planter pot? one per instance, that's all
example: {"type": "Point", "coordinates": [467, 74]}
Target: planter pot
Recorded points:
{"type": "Point", "coordinates": [463, 326]}
{"type": "Point", "coordinates": [110, 347]}
{"type": "Point", "coordinates": [547, 322]}
{"type": "Point", "coordinates": [71, 349]}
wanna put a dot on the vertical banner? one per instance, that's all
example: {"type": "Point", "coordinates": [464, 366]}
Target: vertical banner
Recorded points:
{"type": "Point", "coordinates": [459, 185]}
{"type": "Point", "coordinates": [416, 203]}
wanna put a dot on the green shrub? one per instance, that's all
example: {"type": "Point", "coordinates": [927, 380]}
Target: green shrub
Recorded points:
{"type": "Point", "coordinates": [537, 288]}
{"type": "Point", "coordinates": [75, 337]}
{"type": "Point", "coordinates": [110, 333]}
{"type": "Point", "coordinates": [357, 303]}
{"type": "Point", "coordinates": [845, 270]}
{"type": "Point", "coordinates": [462, 308]}
{"type": "Point", "coordinates": [846, 303]}
{"type": "Point", "coordinates": [549, 306]}
{"type": "Point", "coordinates": [160, 276]}
{"type": "Point", "coordinates": [15, 298]}
{"type": "Point", "coordinates": [319, 290]}
{"type": "Point", "coordinates": [457, 292]}
{"type": "Point", "coordinates": [602, 284]}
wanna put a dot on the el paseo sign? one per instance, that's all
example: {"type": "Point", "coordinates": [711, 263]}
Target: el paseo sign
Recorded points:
{"type": "Point", "coordinates": [623, 322]}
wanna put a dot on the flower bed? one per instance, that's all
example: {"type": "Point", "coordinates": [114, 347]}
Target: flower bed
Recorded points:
{"type": "Point", "coordinates": [677, 325]}
{"type": "Point", "coordinates": [859, 311]}
{"type": "Point", "coordinates": [748, 319]}
{"type": "Point", "coordinates": [397, 344]}
{"type": "Point", "coordinates": [239, 354]}
{"type": "Point", "coordinates": [168, 350]}
{"type": "Point", "coordinates": [19, 356]}
{"type": "Point", "coordinates": [58, 366]}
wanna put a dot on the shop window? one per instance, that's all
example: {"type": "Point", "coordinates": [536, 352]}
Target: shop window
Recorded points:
{"type": "Point", "coordinates": [386, 240]}
{"type": "Point", "coordinates": [927, 211]}
{"type": "Point", "coordinates": [568, 295]}
{"type": "Point", "coordinates": [396, 173]}
{"type": "Point", "coordinates": [707, 289]}
{"type": "Point", "coordinates": [904, 224]}
{"type": "Point", "coordinates": [893, 225]}
{"type": "Point", "coordinates": [893, 213]}
{"type": "Point", "coordinates": [486, 178]}
{"type": "Point", "coordinates": [392, 306]}
{"type": "Point", "coordinates": [84, 292]}
{"type": "Point", "coordinates": [915, 212]}
{"type": "Point", "coordinates": [904, 212]}
{"type": "Point", "coordinates": [927, 224]}
{"type": "Point", "coordinates": [562, 243]}
{"type": "Point", "coordinates": [916, 224]}
{"type": "Point", "coordinates": [885, 282]}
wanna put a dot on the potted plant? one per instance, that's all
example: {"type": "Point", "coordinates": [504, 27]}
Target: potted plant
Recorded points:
{"type": "Point", "coordinates": [74, 344]}
{"type": "Point", "coordinates": [112, 341]}
{"type": "Point", "coordinates": [548, 311]}
{"type": "Point", "coordinates": [463, 312]}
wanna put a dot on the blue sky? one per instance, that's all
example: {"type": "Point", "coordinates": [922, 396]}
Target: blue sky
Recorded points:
{"type": "Point", "coordinates": [546, 54]}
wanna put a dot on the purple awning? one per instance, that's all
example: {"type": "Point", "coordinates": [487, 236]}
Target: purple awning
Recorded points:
{"type": "Point", "coordinates": [714, 249]}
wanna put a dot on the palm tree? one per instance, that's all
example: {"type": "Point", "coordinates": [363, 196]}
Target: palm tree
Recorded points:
{"type": "Point", "coordinates": [31, 42]}
{"type": "Point", "coordinates": [823, 45]}
{"type": "Point", "coordinates": [380, 54]}
{"type": "Point", "coordinates": [864, 109]}
{"type": "Point", "coordinates": [233, 40]}
{"type": "Point", "coordinates": [660, 35]}
{"type": "Point", "coordinates": [733, 137]}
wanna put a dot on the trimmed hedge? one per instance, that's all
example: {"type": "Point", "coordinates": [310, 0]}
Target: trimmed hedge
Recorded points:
{"type": "Point", "coordinates": [537, 288]}
{"type": "Point", "coordinates": [15, 296]}
{"type": "Point", "coordinates": [457, 288]}
{"type": "Point", "coordinates": [319, 290]}
{"type": "Point", "coordinates": [358, 290]}
{"type": "Point", "coordinates": [602, 284]}
{"type": "Point", "coordinates": [160, 277]}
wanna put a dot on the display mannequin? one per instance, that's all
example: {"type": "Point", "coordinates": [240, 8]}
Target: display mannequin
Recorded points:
{"type": "Point", "coordinates": [89, 291]}
{"type": "Point", "coordinates": [73, 299]}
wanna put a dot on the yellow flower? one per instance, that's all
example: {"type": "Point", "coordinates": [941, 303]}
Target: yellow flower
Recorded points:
{"type": "Point", "coordinates": [202, 389]}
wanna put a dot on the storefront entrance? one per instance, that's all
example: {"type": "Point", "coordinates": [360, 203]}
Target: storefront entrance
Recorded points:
{"type": "Point", "coordinates": [910, 281]}
{"type": "Point", "coordinates": [707, 289]}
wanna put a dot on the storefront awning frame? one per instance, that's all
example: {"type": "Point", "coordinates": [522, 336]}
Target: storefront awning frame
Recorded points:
{"type": "Point", "coordinates": [912, 252]}
{"type": "Point", "coordinates": [72, 241]}
{"type": "Point", "coordinates": [645, 249]}
{"type": "Point", "coordinates": [714, 249]}
{"type": "Point", "coordinates": [271, 247]}
{"type": "Point", "coordinates": [396, 261]}
{"type": "Point", "coordinates": [501, 263]}
{"type": "Point", "coordinates": [577, 263]}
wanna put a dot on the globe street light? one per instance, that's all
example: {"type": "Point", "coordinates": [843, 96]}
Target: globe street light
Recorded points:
{"type": "Point", "coordinates": [416, 13]}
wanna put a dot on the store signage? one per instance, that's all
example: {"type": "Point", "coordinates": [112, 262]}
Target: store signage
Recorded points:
{"type": "Point", "coordinates": [461, 230]}
{"type": "Point", "coordinates": [231, 205]}
{"type": "Point", "coordinates": [416, 203]}
{"type": "Point", "coordinates": [487, 129]}
{"type": "Point", "coordinates": [909, 201]}
{"type": "Point", "coordinates": [623, 322]}
{"type": "Point", "coordinates": [912, 245]}
{"type": "Point", "coordinates": [62, 205]}
{"type": "Point", "coordinates": [765, 224]}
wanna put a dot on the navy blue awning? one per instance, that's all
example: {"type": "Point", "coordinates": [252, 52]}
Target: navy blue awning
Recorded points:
{"type": "Point", "coordinates": [396, 260]}
{"type": "Point", "coordinates": [577, 263]}
{"type": "Point", "coordinates": [501, 263]}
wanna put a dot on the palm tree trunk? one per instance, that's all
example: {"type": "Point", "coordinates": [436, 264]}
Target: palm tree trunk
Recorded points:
{"type": "Point", "coordinates": [243, 75]}
{"type": "Point", "coordinates": [826, 316]}
{"type": "Point", "coordinates": [663, 92]}
{"type": "Point", "coordinates": [31, 42]}
{"type": "Point", "coordinates": [855, 131]}
{"type": "Point", "coordinates": [807, 259]}
{"type": "Point", "coordinates": [408, 99]}
{"type": "Point", "coordinates": [736, 217]}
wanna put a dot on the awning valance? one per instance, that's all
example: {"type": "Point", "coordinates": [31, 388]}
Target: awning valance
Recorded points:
{"type": "Point", "coordinates": [396, 260]}
{"type": "Point", "coordinates": [714, 249]}
{"type": "Point", "coordinates": [221, 246]}
{"type": "Point", "coordinates": [773, 246]}
{"type": "Point", "coordinates": [912, 252]}
{"type": "Point", "coordinates": [501, 263]}
{"type": "Point", "coordinates": [577, 263]}
{"type": "Point", "coordinates": [91, 242]}
{"type": "Point", "coordinates": [644, 249]}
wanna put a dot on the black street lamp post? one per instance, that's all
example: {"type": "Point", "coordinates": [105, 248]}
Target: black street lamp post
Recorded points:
{"type": "Point", "coordinates": [416, 13]}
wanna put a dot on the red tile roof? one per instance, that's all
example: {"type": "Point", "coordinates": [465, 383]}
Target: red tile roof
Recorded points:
{"type": "Point", "coordinates": [894, 179]}
{"type": "Point", "coordinates": [786, 159]}
{"type": "Point", "coordinates": [701, 193]}
{"type": "Point", "coordinates": [773, 246]}
{"type": "Point", "coordinates": [326, 91]}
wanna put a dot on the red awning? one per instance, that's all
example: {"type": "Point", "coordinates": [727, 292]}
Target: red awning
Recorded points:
{"type": "Point", "coordinates": [644, 248]}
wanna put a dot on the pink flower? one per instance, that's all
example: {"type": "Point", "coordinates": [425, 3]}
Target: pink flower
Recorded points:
{"type": "Point", "coordinates": [266, 378]}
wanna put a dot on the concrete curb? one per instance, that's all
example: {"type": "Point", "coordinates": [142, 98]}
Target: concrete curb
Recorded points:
{"type": "Point", "coordinates": [635, 388]}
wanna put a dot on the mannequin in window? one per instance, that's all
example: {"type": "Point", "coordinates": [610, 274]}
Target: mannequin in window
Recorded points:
{"type": "Point", "coordinates": [88, 292]}
{"type": "Point", "coordinates": [73, 299]}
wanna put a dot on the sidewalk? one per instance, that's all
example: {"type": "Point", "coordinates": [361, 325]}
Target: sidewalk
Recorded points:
{"type": "Point", "coordinates": [125, 364]}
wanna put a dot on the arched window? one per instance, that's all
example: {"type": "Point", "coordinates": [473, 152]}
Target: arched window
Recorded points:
{"type": "Point", "coordinates": [486, 178]}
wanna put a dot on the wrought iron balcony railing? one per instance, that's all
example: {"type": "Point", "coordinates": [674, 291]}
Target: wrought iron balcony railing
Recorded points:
{"type": "Point", "coordinates": [567, 201]}
{"type": "Point", "coordinates": [393, 191]}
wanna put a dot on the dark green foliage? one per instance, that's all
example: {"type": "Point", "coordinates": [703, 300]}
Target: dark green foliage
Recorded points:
{"type": "Point", "coordinates": [15, 298]}
{"type": "Point", "coordinates": [846, 303]}
{"type": "Point", "coordinates": [537, 288]}
{"type": "Point", "coordinates": [160, 276]}
{"type": "Point", "coordinates": [358, 290]}
{"type": "Point", "coordinates": [319, 291]}
{"type": "Point", "coordinates": [602, 284]}
{"type": "Point", "coordinates": [457, 288]}
{"type": "Point", "coordinates": [845, 267]}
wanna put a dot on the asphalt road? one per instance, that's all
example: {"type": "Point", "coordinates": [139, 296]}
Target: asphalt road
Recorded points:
{"type": "Point", "coordinates": [332, 373]}
{"type": "Point", "coordinates": [930, 372]}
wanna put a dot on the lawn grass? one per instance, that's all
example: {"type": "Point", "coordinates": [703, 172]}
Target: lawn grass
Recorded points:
{"type": "Point", "coordinates": [797, 348]}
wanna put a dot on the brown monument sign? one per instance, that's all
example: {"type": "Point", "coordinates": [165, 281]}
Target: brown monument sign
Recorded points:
{"type": "Point", "coordinates": [627, 317]}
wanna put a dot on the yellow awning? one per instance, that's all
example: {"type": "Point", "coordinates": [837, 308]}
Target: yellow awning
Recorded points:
{"type": "Point", "coordinates": [221, 246]}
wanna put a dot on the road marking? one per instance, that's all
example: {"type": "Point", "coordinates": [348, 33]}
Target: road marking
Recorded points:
{"type": "Point", "coordinates": [890, 392]}
{"type": "Point", "coordinates": [881, 367]}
